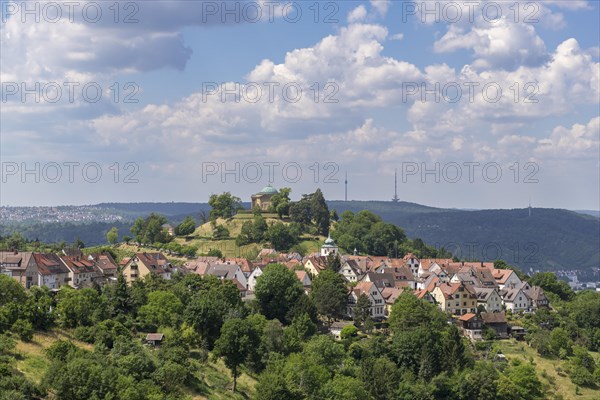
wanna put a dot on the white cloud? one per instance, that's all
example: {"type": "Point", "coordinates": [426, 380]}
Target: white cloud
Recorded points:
{"type": "Point", "coordinates": [359, 14]}
{"type": "Point", "coordinates": [505, 45]}
{"type": "Point", "coordinates": [579, 141]}
{"type": "Point", "coordinates": [382, 6]}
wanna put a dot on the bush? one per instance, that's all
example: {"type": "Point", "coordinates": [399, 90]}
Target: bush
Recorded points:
{"type": "Point", "coordinates": [582, 377]}
{"type": "Point", "coordinates": [24, 329]}
{"type": "Point", "coordinates": [85, 334]}
{"type": "Point", "coordinates": [348, 331]}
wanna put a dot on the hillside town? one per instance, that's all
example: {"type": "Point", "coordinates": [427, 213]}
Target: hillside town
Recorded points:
{"type": "Point", "coordinates": [473, 293]}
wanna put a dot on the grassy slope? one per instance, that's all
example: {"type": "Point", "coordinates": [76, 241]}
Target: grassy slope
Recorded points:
{"type": "Point", "coordinates": [31, 360]}
{"type": "Point", "coordinates": [211, 380]}
{"type": "Point", "coordinates": [555, 380]}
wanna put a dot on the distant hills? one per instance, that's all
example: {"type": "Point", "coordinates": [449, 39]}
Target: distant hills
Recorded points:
{"type": "Point", "coordinates": [549, 239]}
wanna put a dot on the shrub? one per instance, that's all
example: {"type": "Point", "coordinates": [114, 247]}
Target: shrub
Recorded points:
{"type": "Point", "coordinates": [24, 329]}
{"type": "Point", "coordinates": [348, 331]}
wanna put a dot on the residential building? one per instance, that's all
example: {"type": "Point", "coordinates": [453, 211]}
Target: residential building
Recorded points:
{"type": "Point", "coordinates": [82, 271]}
{"type": "Point", "coordinates": [16, 265]}
{"type": "Point", "coordinates": [142, 264]}
{"type": "Point", "coordinates": [515, 299]}
{"type": "Point", "coordinates": [106, 266]}
{"type": "Point", "coordinates": [471, 326]}
{"type": "Point", "coordinates": [373, 294]}
{"type": "Point", "coordinates": [315, 264]}
{"type": "Point", "coordinates": [51, 271]}
{"type": "Point", "coordinates": [251, 282]}
{"type": "Point", "coordinates": [228, 272]}
{"type": "Point", "coordinates": [489, 299]}
{"type": "Point", "coordinates": [497, 322]}
{"type": "Point", "coordinates": [455, 298]}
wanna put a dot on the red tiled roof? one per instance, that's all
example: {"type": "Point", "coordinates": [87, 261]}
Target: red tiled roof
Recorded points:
{"type": "Point", "coordinates": [467, 317]}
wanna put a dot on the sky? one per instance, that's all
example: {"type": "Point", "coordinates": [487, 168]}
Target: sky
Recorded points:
{"type": "Point", "coordinates": [471, 104]}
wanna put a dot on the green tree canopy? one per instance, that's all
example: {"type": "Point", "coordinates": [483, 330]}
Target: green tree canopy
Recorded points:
{"type": "Point", "coordinates": [187, 227]}
{"type": "Point", "coordinates": [224, 205]}
{"type": "Point", "coordinates": [330, 295]}
{"type": "Point", "coordinates": [112, 236]}
{"type": "Point", "coordinates": [277, 291]}
{"type": "Point", "coordinates": [237, 342]}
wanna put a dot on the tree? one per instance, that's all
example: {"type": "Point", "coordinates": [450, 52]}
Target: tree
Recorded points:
{"type": "Point", "coordinates": [301, 211]}
{"type": "Point", "coordinates": [220, 232]}
{"type": "Point", "coordinates": [79, 307]}
{"type": "Point", "coordinates": [187, 227]}
{"type": "Point", "coordinates": [362, 310]}
{"type": "Point", "coordinates": [163, 309]}
{"type": "Point", "coordinates": [281, 236]}
{"type": "Point", "coordinates": [344, 387]}
{"type": "Point", "coordinates": [210, 306]}
{"type": "Point", "coordinates": [380, 375]}
{"type": "Point", "coordinates": [79, 243]}
{"type": "Point", "coordinates": [150, 230]}
{"type": "Point", "coordinates": [280, 202]}
{"type": "Point", "coordinates": [367, 232]}
{"type": "Point", "coordinates": [525, 382]}
{"type": "Point", "coordinates": [333, 262]}
{"type": "Point", "coordinates": [237, 342]}
{"type": "Point", "coordinates": [320, 212]}
{"type": "Point", "coordinates": [549, 282]}
{"type": "Point", "coordinates": [409, 312]}
{"type": "Point", "coordinates": [224, 205]}
{"type": "Point", "coordinates": [277, 290]}
{"type": "Point", "coordinates": [113, 235]}
{"type": "Point", "coordinates": [16, 241]}
{"type": "Point", "coordinates": [334, 216]}
{"type": "Point", "coordinates": [214, 253]}
{"type": "Point", "coordinates": [348, 331]}
{"type": "Point", "coordinates": [330, 295]}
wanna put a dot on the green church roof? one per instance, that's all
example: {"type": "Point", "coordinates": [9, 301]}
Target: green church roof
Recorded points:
{"type": "Point", "coordinates": [268, 190]}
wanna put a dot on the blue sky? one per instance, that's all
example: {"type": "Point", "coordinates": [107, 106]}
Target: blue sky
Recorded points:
{"type": "Point", "coordinates": [176, 143]}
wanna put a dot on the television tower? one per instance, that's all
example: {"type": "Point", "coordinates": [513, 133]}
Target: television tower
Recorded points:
{"type": "Point", "coordinates": [346, 187]}
{"type": "Point", "coordinates": [395, 199]}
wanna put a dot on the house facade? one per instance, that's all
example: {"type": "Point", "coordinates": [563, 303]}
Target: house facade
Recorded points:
{"type": "Point", "coordinates": [373, 294]}
{"type": "Point", "coordinates": [82, 271]}
{"type": "Point", "coordinates": [455, 298]}
{"type": "Point", "coordinates": [142, 264]}
{"type": "Point", "coordinates": [16, 264]}
{"type": "Point", "coordinates": [489, 299]}
{"type": "Point", "coordinates": [51, 271]}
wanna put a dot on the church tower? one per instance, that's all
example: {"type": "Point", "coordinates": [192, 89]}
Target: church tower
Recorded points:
{"type": "Point", "coordinates": [329, 247]}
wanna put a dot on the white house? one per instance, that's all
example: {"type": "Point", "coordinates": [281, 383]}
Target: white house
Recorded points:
{"type": "Point", "coordinates": [506, 278]}
{"type": "Point", "coordinates": [373, 294]}
{"type": "Point", "coordinates": [351, 271]}
{"type": "Point", "coordinates": [229, 272]}
{"type": "Point", "coordinates": [489, 299]}
{"type": "Point", "coordinates": [515, 299]}
{"type": "Point", "coordinates": [412, 263]}
{"type": "Point", "coordinates": [256, 272]}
